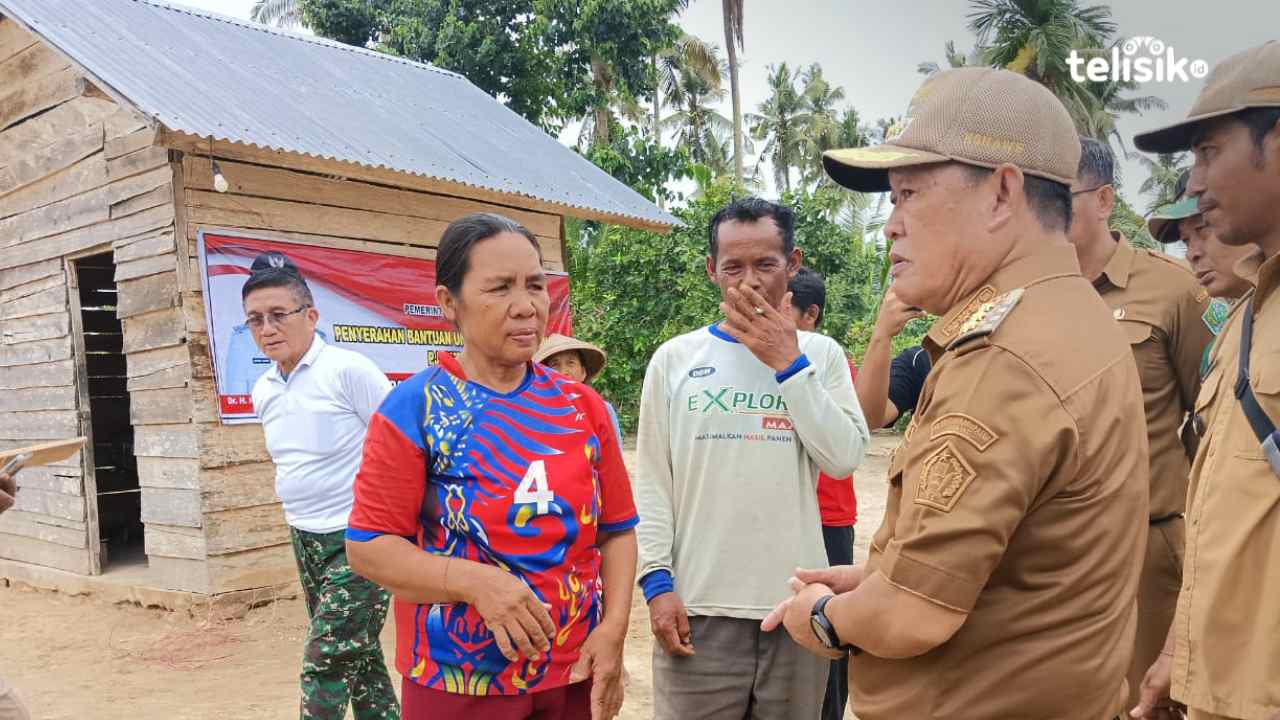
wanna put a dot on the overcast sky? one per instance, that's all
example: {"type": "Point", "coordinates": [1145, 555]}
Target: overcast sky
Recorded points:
{"type": "Point", "coordinates": [872, 48]}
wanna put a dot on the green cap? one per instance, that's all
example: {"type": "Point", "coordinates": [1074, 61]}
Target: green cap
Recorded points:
{"type": "Point", "coordinates": [1166, 217]}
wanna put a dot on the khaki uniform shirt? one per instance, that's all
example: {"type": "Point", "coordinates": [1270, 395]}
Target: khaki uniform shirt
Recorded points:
{"type": "Point", "coordinates": [1162, 312]}
{"type": "Point", "coordinates": [1227, 630]}
{"type": "Point", "coordinates": [1019, 497]}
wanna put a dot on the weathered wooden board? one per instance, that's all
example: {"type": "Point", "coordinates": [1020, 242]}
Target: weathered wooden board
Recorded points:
{"type": "Point", "coordinates": [247, 528]}
{"type": "Point", "coordinates": [143, 246]}
{"type": "Point", "coordinates": [39, 425]}
{"type": "Point", "coordinates": [39, 552]}
{"type": "Point", "coordinates": [174, 541]}
{"type": "Point", "coordinates": [172, 473]}
{"type": "Point", "coordinates": [382, 248]}
{"type": "Point", "coordinates": [222, 445]}
{"type": "Point", "coordinates": [201, 359]}
{"type": "Point", "coordinates": [53, 374]}
{"type": "Point", "coordinates": [126, 144]}
{"type": "Point", "coordinates": [36, 61]}
{"type": "Point", "coordinates": [48, 520]}
{"type": "Point", "coordinates": [86, 238]}
{"type": "Point", "coordinates": [166, 441]}
{"type": "Point", "coordinates": [37, 179]}
{"type": "Point", "coordinates": [45, 398]}
{"type": "Point", "coordinates": [168, 506]}
{"type": "Point", "coordinates": [30, 353]}
{"type": "Point", "coordinates": [42, 302]}
{"type": "Point", "coordinates": [13, 39]}
{"type": "Point", "coordinates": [199, 146]}
{"type": "Point", "coordinates": [253, 568]}
{"type": "Point", "coordinates": [160, 407]}
{"type": "Point", "coordinates": [204, 396]}
{"type": "Point", "coordinates": [238, 486]}
{"type": "Point", "coordinates": [193, 311]}
{"type": "Point", "coordinates": [162, 368]}
{"type": "Point", "coordinates": [162, 328]}
{"type": "Point", "coordinates": [240, 211]}
{"type": "Point", "coordinates": [15, 276]}
{"type": "Point", "coordinates": [146, 294]}
{"type": "Point", "coordinates": [60, 217]}
{"type": "Point", "coordinates": [145, 161]}
{"type": "Point", "coordinates": [282, 184]}
{"type": "Point", "coordinates": [143, 267]}
{"type": "Point", "coordinates": [51, 478]}
{"type": "Point", "coordinates": [40, 94]}
{"type": "Point", "coordinates": [44, 502]}
{"type": "Point", "coordinates": [52, 126]}
{"type": "Point", "coordinates": [17, 524]}
{"type": "Point", "coordinates": [162, 195]}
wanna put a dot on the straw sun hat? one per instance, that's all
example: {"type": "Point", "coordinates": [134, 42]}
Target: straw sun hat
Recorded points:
{"type": "Point", "coordinates": [593, 358]}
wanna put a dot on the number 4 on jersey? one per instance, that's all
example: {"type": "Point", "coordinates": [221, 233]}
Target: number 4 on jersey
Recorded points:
{"type": "Point", "coordinates": [533, 488]}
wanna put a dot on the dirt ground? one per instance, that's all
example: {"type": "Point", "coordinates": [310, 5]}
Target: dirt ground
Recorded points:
{"type": "Point", "coordinates": [74, 658]}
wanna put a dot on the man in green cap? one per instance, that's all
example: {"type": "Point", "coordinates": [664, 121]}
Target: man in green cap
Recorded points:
{"type": "Point", "coordinates": [1001, 583]}
{"type": "Point", "coordinates": [1162, 311]}
{"type": "Point", "coordinates": [1222, 657]}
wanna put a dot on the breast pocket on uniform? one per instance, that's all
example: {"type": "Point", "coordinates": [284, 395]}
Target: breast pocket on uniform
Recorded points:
{"type": "Point", "coordinates": [1266, 388]}
{"type": "Point", "coordinates": [1208, 391]}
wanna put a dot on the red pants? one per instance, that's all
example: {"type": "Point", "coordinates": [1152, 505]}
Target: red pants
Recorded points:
{"type": "Point", "coordinates": [570, 702]}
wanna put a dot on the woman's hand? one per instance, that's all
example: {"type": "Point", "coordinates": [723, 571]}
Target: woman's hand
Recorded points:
{"type": "Point", "coordinates": [519, 622]}
{"type": "Point", "coordinates": [601, 660]}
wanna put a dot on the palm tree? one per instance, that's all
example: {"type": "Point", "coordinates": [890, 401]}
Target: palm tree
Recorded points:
{"type": "Point", "coordinates": [953, 58]}
{"type": "Point", "coordinates": [692, 54]}
{"type": "Point", "coordinates": [1107, 102]}
{"type": "Point", "coordinates": [1035, 37]}
{"type": "Point", "coordinates": [1163, 177]}
{"type": "Point", "coordinates": [732, 10]}
{"type": "Point", "coordinates": [699, 128]}
{"type": "Point", "coordinates": [281, 13]}
{"type": "Point", "coordinates": [781, 124]}
{"type": "Point", "coordinates": [822, 126]}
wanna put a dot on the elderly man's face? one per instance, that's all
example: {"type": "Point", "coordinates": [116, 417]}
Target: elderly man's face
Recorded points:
{"type": "Point", "coordinates": [942, 250]}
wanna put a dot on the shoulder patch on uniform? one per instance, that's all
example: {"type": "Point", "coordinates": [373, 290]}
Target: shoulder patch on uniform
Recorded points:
{"type": "Point", "coordinates": [944, 478]}
{"type": "Point", "coordinates": [987, 317]}
{"type": "Point", "coordinates": [964, 427]}
{"type": "Point", "coordinates": [1216, 314]}
{"type": "Point", "coordinates": [984, 295]}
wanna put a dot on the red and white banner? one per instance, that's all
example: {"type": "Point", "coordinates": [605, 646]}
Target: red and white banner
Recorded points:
{"type": "Point", "coordinates": [381, 306]}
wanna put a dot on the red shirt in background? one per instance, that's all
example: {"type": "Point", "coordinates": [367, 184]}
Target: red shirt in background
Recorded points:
{"type": "Point", "coordinates": [837, 502]}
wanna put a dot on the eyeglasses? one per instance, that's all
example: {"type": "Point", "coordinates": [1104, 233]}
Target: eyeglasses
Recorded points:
{"type": "Point", "coordinates": [275, 317]}
{"type": "Point", "coordinates": [1095, 188]}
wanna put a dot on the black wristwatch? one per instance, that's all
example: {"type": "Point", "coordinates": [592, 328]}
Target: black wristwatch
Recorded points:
{"type": "Point", "coordinates": [825, 631]}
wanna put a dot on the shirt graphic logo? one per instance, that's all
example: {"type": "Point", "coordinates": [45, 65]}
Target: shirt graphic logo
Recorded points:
{"type": "Point", "coordinates": [701, 372]}
{"type": "Point", "coordinates": [727, 399]}
{"type": "Point", "coordinates": [773, 422]}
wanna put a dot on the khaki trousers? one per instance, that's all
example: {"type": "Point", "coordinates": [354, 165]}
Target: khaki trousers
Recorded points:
{"type": "Point", "coordinates": [1157, 598]}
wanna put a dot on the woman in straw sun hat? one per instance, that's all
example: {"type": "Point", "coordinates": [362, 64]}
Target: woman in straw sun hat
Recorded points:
{"type": "Point", "coordinates": [578, 360]}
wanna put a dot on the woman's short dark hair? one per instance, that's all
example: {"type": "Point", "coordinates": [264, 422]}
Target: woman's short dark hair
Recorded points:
{"type": "Point", "coordinates": [750, 210]}
{"type": "Point", "coordinates": [453, 258]}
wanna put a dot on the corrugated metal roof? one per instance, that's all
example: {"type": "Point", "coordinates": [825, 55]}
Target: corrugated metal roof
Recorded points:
{"type": "Point", "coordinates": [209, 75]}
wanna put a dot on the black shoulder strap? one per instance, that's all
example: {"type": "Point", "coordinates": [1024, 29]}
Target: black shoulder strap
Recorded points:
{"type": "Point", "coordinates": [1258, 420]}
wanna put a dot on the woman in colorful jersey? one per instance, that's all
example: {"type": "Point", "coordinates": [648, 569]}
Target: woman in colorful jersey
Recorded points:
{"type": "Point", "coordinates": [493, 503]}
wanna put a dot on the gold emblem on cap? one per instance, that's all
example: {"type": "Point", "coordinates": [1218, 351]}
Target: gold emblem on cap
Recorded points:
{"type": "Point", "coordinates": [1118, 313]}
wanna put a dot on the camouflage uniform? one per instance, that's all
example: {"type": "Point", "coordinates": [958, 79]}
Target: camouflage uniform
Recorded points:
{"type": "Point", "coordinates": [343, 657]}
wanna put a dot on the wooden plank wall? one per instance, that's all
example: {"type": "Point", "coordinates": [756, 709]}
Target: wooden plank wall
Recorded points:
{"type": "Point", "coordinates": [245, 539]}
{"type": "Point", "coordinates": [77, 173]}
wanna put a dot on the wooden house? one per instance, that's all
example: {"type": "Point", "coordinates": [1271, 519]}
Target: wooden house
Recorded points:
{"type": "Point", "coordinates": [111, 115]}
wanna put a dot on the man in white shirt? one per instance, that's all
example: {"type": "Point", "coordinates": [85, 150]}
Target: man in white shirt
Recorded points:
{"type": "Point", "coordinates": [315, 403]}
{"type": "Point", "coordinates": [736, 422]}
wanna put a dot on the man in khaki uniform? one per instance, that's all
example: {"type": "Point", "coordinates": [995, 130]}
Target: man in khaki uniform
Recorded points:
{"type": "Point", "coordinates": [1002, 581]}
{"type": "Point", "coordinates": [1163, 313]}
{"type": "Point", "coordinates": [1225, 640]}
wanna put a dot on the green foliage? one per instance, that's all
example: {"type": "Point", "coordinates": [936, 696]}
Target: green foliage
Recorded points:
{"type": "Point", "coordinates": [637, 161]}
{"type": "Point", "coordinates": [548, 60]}
{"type": "Point", "coordinates": [1132, 225]}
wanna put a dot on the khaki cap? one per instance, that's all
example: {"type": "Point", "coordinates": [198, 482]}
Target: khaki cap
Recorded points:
{"type": "Point", "coordinates": [592, 357]}
{"type": "Point", "coordinates": [1244, 80]}
{"type": "Point", "coordinates": [978, 116]}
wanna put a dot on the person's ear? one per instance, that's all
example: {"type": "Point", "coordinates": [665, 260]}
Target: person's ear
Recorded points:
{"type": "Point", "coordinates": [1106, 201]}
{"type": "Point", "coordinates": [1008, 189]}
{"type": "Point", "coordinates": [711, 270]}
{"type": "Point", "coordinates": [447, 303]}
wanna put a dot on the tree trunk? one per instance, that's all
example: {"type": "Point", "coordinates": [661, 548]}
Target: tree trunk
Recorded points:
{"type": "Point", "coordinates": [604, 84]}
{"type": "Point", "coordinates": [731, 43]}
{"type": "Point", "coordinates": [657, 105]}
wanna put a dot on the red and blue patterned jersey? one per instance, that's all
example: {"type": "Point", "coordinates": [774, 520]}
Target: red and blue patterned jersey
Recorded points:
{"type": "Point", "coordinates": [526, 481]}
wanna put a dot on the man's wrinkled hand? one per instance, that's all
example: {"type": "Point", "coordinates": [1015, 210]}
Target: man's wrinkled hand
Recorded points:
{"type": "Point", "coordinates": [770, 335]}
{"type": "Point", "coordinates": [670, 624]}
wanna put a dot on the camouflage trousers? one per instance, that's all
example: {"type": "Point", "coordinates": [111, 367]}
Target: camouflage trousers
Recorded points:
{"type": "Point", "coordinates": [342, 662]}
